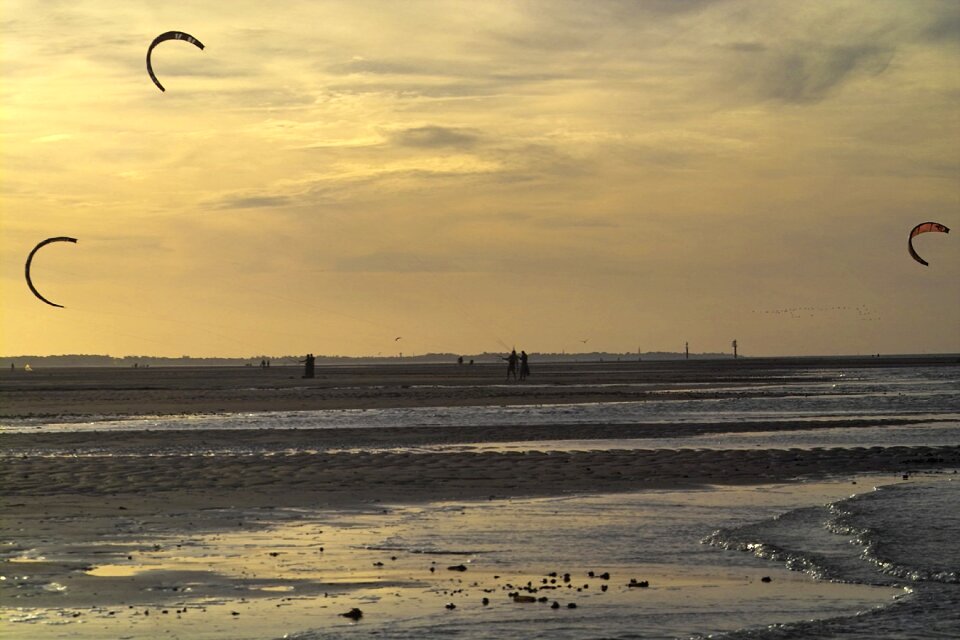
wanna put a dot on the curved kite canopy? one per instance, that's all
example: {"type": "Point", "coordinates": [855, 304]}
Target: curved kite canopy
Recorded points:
{"type": "Point", "coordinates": [30, 259]}
{"type": "Point", "coordinates": [169, 35]}
{"type": "Point", "coordinates": [923, 227]}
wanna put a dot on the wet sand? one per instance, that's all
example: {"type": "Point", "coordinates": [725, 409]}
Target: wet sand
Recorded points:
{"type": "Point", "coordinates": [74, 393]}
{"type": "Point", "coordinates": [63, 489]}
{"type": "Point", "coordinates": [297, 467]}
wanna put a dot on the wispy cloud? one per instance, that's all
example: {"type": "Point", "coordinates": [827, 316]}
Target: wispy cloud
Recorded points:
{"type": "Point", "coordinates": [574, 155]}
{"type": "Point", "coordinates": [803, 73]}
{"type": "Point", "coordinates": [432, 137]}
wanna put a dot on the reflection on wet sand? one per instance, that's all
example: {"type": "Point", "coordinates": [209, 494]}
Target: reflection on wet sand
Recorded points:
{"type": "Point", "coordinates": [409, 566]}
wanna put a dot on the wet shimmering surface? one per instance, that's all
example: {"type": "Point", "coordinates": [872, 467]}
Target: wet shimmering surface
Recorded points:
{"type": "Point", "coordinates": [312, 566]}
{"type": "Point", "coordinates": [879, 565]}
{"type": "Point", "coordinates": [874, 394]}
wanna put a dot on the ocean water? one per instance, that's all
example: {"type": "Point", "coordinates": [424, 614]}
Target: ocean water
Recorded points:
{"type": "Point", "coordinates": [880, 564]}
{"type": "Point", "coordinates": [905, 534]}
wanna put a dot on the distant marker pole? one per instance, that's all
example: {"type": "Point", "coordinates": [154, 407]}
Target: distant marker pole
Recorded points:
{"type": "Point", "coordinates": [686, 350]}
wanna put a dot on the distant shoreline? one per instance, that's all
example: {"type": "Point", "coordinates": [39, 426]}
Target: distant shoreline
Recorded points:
{"type": "Point", "coordinates": [76, 393]}
{"type": "Point", "coordinates": [106, 361]}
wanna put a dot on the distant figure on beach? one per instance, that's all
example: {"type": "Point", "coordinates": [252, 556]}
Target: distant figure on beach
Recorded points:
{"type": "Point", "coordinates": [308, 363]}
{"type": "Point", "coordinates": [263, 364]}
{"type": "Point", "coordinates": [512, 364]}
{"type": "Point", "coordinates": [460, 360]}
{"type": "Point", "coordinates": [524, 365]}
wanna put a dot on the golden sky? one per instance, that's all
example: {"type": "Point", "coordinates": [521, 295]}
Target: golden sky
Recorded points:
{"type": "Point", "coordinates": [326, 176]}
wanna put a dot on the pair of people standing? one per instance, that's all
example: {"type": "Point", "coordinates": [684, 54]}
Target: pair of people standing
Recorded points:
{"type": "Point", "coordinates": [308, 362]}
{"type": "Point", "coordinates": [513, 360]}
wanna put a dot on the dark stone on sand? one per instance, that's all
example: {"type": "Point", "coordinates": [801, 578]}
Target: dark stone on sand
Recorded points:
{"type": "Point", "coordinates": [353, 614]}
{"type": "Point", "coordinates": [485, 601]}
{"type": "Point", "coordinates": [590, 574]}
{"type": "Point", "coordinates": [604, 576]}
{"type": "Point", "coordinates": [603, 587]}
{"type": "Point", "coordinates": [450, 605]}
{"type": "Point", "coordinates": [766, 579]}
{"type": "Point", "coordinates": [635, 583]}
{"type": "Point", "coordinates": [457, 567]}
{"type": "Point", "coordinates": [555, 605]}
{"type": "Point", "coordinates": [572, 605]}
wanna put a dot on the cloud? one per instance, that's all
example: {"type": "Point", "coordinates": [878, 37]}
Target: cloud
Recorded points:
{"type": "Point", "coordinates": [431, 137]}
{"type": "Point", "coordinates": [945, 24]}
{"type": "Point", "coordinates": [253, 202]}
{"type": "Point", "coordinates": [806, 72]}
{"type": "Point", "coordinates": [395, 262]}
{"type": "Point", "coordinates": [53, 137]}
{"type": "Point", "coordinates": [384, 67]}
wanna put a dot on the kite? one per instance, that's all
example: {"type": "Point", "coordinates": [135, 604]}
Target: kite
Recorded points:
{"type": "Point", "coordinates": [923, 227]}
{"type": "Point", "coordinates": [30, 259]}
{"type": "Point", "coordinates": [169, 35]}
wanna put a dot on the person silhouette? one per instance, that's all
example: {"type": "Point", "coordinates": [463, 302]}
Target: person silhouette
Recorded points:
{"type": "Point", "coordinates": [524, 365]}
{"type": "Point", "coordinates": [512, 364]}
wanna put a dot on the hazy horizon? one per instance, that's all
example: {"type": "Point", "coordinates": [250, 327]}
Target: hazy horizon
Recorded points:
{"type": "Point", "coordinates": [330, 177]}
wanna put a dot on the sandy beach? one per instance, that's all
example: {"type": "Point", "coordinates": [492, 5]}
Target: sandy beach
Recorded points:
{"type": "Point", "coordinates": [64, 487]}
